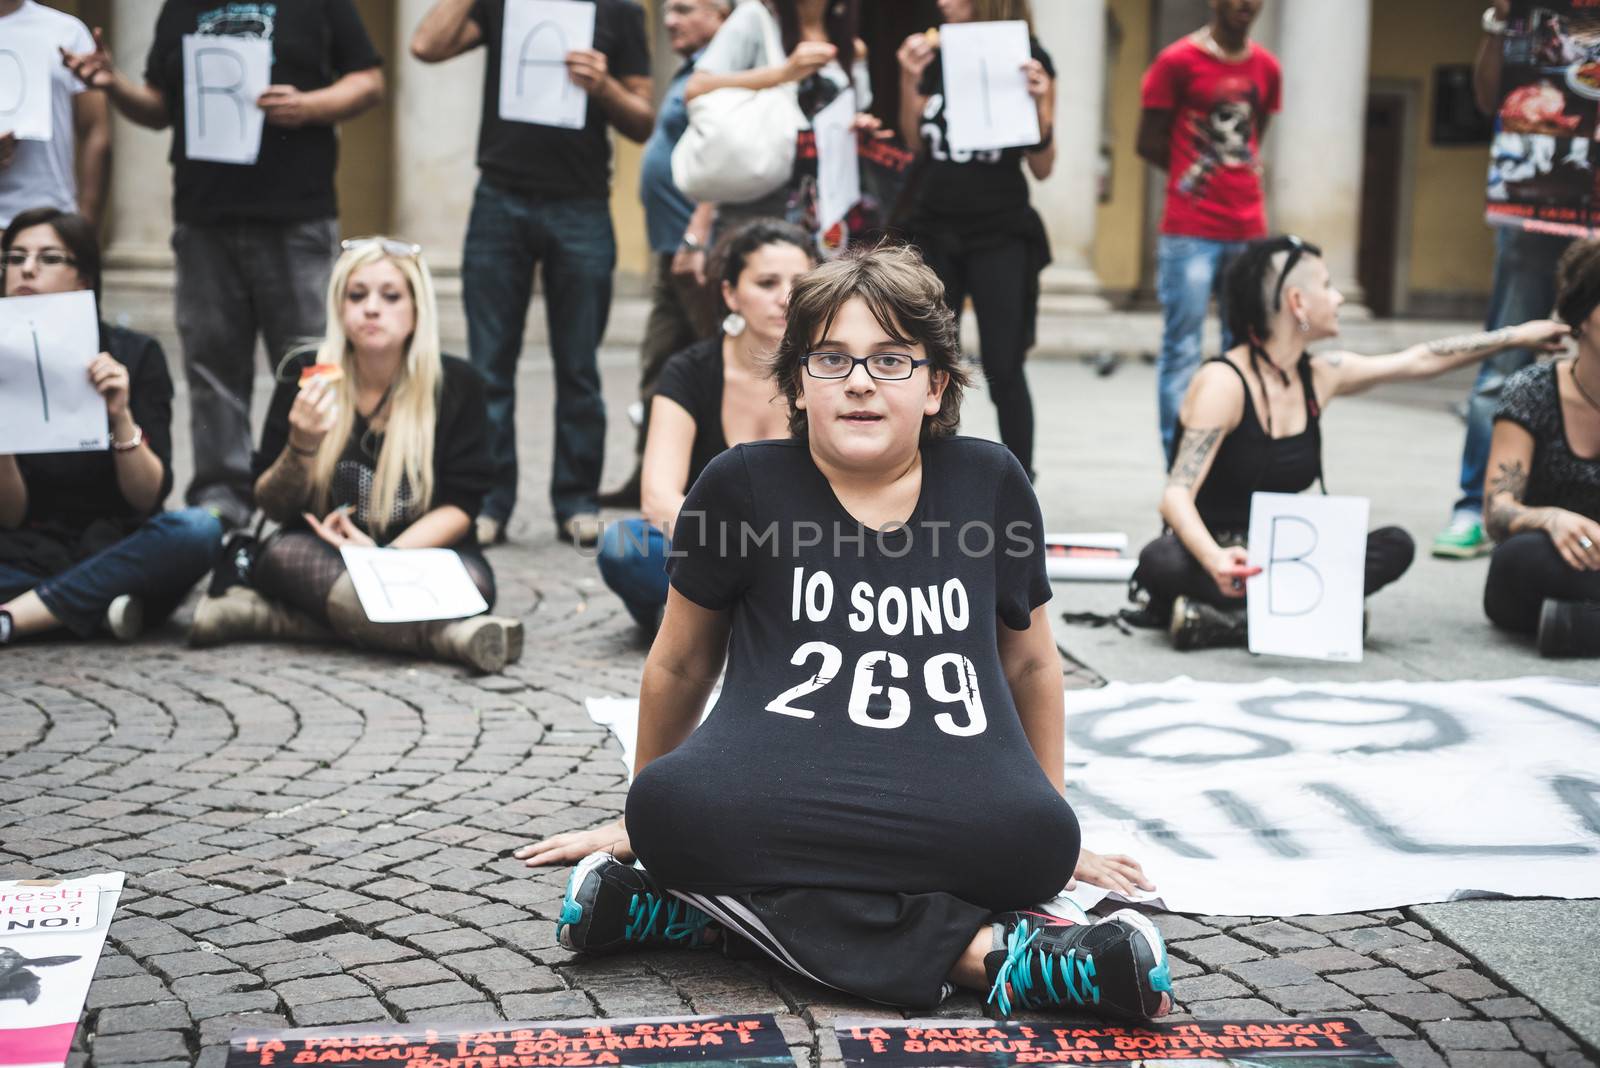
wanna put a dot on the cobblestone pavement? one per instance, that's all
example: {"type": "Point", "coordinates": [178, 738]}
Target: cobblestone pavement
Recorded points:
{"type": "Point", "coordinates": [320, 836]}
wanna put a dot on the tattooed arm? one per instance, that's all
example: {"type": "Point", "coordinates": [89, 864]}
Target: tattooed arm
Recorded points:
{"type": "Point", "coordinates": [1353, 373]}
{"type": "Point", "coordinates": [1576, 537]}
{"type": "Point", "coordinates": [1211, 411]}
{"type": "Point", "coordinates": [284, 490]}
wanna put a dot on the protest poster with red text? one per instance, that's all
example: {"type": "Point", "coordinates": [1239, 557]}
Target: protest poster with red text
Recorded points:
{"type": "Point", "coordinates": [703, 1041]}
{"type": "Point", "coordinates": [1301, 1043]}
{"type": "Point", "coordinates": [51, 934]}
{"type": "Point", "coordinates": [1544, 164]}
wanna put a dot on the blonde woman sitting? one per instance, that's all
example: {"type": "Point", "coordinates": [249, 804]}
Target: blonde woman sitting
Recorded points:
{"type": "Point", "coordinates": [382, 438]}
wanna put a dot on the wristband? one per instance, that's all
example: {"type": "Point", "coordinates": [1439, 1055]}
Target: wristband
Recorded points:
{"type": "Point", "coordinates": [297, 450]}
{"type": "Point", "coordinates": [132, 443]}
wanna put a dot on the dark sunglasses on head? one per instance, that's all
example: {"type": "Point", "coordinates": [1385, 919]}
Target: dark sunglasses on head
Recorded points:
{"type": "Point", "coordinates": [1297, 250]}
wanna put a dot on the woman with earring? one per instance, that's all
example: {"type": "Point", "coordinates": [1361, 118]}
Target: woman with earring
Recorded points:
{"type": "Point", "coordinates": [1251, 421]}
{"type": "Point", "coordinates": [373, 438]}
{"type": "Point", "coordinates": [712, 395]}
{"type": "Point", "coordinates": [1543, 490]}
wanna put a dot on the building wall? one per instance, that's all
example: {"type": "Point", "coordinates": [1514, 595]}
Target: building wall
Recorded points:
{"type": "Point", "coordinates": [1452, 250]}
{"type": "Point", "coordinates": [1120, 227]}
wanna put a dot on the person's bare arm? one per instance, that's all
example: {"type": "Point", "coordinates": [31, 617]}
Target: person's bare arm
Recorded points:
{"type": "Point", "coordinates": [1486, 68]}
{"type": "Point", "coordinates": [1576, 537]}
{"type": "Point", "coordinates": [284, 490]}
{"type": "Point", "coordinates": [358, 91]}
{"type": "Point", "coordinates": [682, 668]}
{"type": "Point", "coordinates": [446, 31]}
{"type": "Point", "coordinates": [437, 528]}
{"type": "Point", "coordinates": [1154, 142]}
{"type": "Point", "coordinates": [1348, 372]}
{"type": "Point", "coordinates": [1033, 672]}
{"type": "Point", "coordinates": [625, 101]}
{"type": "Point", "coordinates": [807, 58]}
{"type": "Point", "coordinates": [13, 493]}
{"type": "Point", "coordinates": [91, 125]}
{"type": "Point", "coordinates": [138, 102]}
{"type": "Point", "coordinates": [664, 478]}
{"type": "Point", "coordinates": [915, 54]}
{"type": "Point", "coordinates": [1042, 161]}
{"type": "Point", "coordinates": [1211, 411]}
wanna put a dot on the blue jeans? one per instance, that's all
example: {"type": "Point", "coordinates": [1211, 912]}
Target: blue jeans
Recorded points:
{"type": "Point", "coordinates": [633, 562]}
{"type": "Point", "coordinates": [1188, 272]}
{"type": "Point", "coordinates": [1524, 288]}
{"type": "Point", "coordinates": [508, 236]}
{"type": "Point", "coordinates": [157, 563]}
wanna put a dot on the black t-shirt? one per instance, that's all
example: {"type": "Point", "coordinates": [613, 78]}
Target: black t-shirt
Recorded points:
{"type": "Point", "coordinates": [1559, 478]}
{"type": "Point", "coordinates": [549, 161]}
{"type": "Point", "coordinates": [693, 380]}
{"type": "Point", "coordinates": [314, 44]}
{"type": "Point", "coordinates": [461, 468]}
{"type": "Point", "coordinates": [865, 737]}
{"type": "Point", "coordinates": [966, 183]}
{"type": "Point", "coordinates": [69, 491]}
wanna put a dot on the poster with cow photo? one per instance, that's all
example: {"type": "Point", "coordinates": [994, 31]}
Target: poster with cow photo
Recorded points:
{"type": "Point", "coordinates": [51, 934]}
{"type": "Point", "coordinates": [1544, 163]}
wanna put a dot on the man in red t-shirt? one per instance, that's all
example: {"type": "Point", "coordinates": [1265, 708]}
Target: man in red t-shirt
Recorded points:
{"type": "Point", "coordinates": [1206, 101]}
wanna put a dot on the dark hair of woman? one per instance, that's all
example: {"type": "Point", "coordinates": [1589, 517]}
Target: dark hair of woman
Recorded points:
{"type": "Point", "coordinates": [1578, 283]}
{"type": "Point", "coordinates": [1253, 288]}
{"type": "Point", "coordinates": [77, 235]}
{"type": "Point", "coordinates": [730, 255]}
{"type": "Point", "coordinates": [841, 20]}
{"type": "Point", "coordinates": [907, 300]}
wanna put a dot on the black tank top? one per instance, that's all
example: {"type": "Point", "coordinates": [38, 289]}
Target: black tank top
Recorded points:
{"type": "Point", "coordinates": [1250, 460]}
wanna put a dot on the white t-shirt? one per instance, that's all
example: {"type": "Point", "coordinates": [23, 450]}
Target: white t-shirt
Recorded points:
{"type": "Point", "coordinates": [41, 173]}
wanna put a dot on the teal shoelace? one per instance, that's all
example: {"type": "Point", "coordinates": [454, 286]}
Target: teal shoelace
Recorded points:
{"type": "Point", "coordinates": [1015, 976]}
{"type": "Point", "coordinates": [681, 922]}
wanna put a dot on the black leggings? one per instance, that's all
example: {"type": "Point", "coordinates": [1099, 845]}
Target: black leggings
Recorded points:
{"type": "Point", "coordinates": [1526, 569]}
{"type": "Point", "coordinates": [1168, 571]}
{"type": "Point", "coordinates": [298, 569]}
{"type": "Point", "coordinates": [997, 279]}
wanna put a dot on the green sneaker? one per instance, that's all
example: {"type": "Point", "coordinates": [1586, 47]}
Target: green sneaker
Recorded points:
{"type": "Point", "coordinates": [1463, 539]}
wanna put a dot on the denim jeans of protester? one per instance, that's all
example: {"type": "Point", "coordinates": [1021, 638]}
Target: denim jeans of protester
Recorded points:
{"type": "Point", "coordinates": [633, 563]}
{"type": "Point", "coordinates": [1188, 271]}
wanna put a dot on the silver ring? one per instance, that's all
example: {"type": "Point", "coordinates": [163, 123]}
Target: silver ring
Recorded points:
{"type": "Point", "coordinates": [1584, 542]}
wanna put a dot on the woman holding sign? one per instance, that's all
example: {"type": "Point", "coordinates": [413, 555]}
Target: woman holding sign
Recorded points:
{"type": "Point", "coordinates": [970, 213]}
{"type": "Point", "coordinates": [876, 799]}
{"type": "Point", "coordinates": [83, 541]}
{"type": "Point", "coordinates": [1251, 422]}
{"type": "Point", "coordinates": [373, 439]}
{"type": "Point", "coordinates": [712, 394]}
{"type": "Point", "coordinates": [1543, 488]}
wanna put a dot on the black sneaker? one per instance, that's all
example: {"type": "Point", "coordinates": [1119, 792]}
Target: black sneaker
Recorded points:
{"type": "Point", "coordinates": [1115, 967]}
{"type": "Point", "coordinates": [1569, 628]}
{"type": "Point", "coordinates": [611, 906]}
{"type": "Point", "coordinates": [1198, 625]}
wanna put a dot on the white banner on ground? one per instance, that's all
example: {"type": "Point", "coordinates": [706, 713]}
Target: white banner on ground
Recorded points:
{"type": "Point", "coordinates": [412, 585]}
{"type": "Point", "coordinates": [1308, 599]}
{"type": "Point", "coordinates": [534, 84]}
{"type": "Point", "coordinates": [223, 77]}
{"type": "Point", "coordinates": [1283, 799]}
{"type": "Point", "coordinates": [991, 107]}
{"type": "Point", "coordinates": [51, 934]}
{"type": "Point", "coordinates": [838, 160]}
{"type": "Point", "coordinates": [46, 401]}
{"type": "Point", "coordinates": [26, 60]}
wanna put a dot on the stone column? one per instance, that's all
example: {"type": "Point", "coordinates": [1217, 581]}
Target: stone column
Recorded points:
{"type": "Point", "coordinates": [1074, 33]}
{"type": "Point", "coordinates": [140, 219]}
{"type": "Point", "coordinates": [1317, 143]}
{"type": "Point", "coordinates": [435, 143]}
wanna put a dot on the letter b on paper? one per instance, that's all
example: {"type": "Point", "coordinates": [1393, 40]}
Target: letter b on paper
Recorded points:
{"type": "Point", "coordinates": [1307, 601]}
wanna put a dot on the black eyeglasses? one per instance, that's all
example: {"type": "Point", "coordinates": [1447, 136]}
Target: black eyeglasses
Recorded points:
{"type": "Point", "coordinates": [1297, 250]}
{"type": "Point", "coordinates": [45, 257]}
{"type": "Point", "coordinates": [391, 247]}
{"type": "Point", "coordinates": [883, 366]}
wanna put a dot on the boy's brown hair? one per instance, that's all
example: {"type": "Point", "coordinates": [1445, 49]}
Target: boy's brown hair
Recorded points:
{"type": "Point", "coordinates": [907, 300]}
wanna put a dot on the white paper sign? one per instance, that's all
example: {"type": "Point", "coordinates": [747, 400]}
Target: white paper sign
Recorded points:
{"type": "Point", "coordinates": [46, 401]}
{"type": "Point", "coordinates": [838, 160]}
{"type": "Point", "coordinates": [25, 91]}
{"type": "Point", "coordinates": [223, 77]}
{"type": "Point", "coordinates": [51, 935]}
{"type": "Point", "coordinates": [410, 585]}
{"type": "Point", "coordinates": [989, 106]}
{"type": "Point", "coordinates": [1307, 601]}
{"type": "Point", "coordinates": [534, 84]}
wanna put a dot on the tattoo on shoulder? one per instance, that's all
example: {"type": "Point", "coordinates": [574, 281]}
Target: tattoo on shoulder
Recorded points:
{"type": "Point", "coordinates": [1452, 346]}
{"type": "Point", "coordinates": [1192, 453]}
{"type": "Point", "coordinates": [1332, 359]}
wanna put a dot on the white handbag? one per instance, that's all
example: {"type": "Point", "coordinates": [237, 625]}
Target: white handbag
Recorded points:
{"type": "Point", "coordinates": [740, 143]}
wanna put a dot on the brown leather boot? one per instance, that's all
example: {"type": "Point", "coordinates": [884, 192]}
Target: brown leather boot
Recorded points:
{"type": "Point", "coordinates": [241, 613]}
{"type": "Point", "coordinates": [485, 643]}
